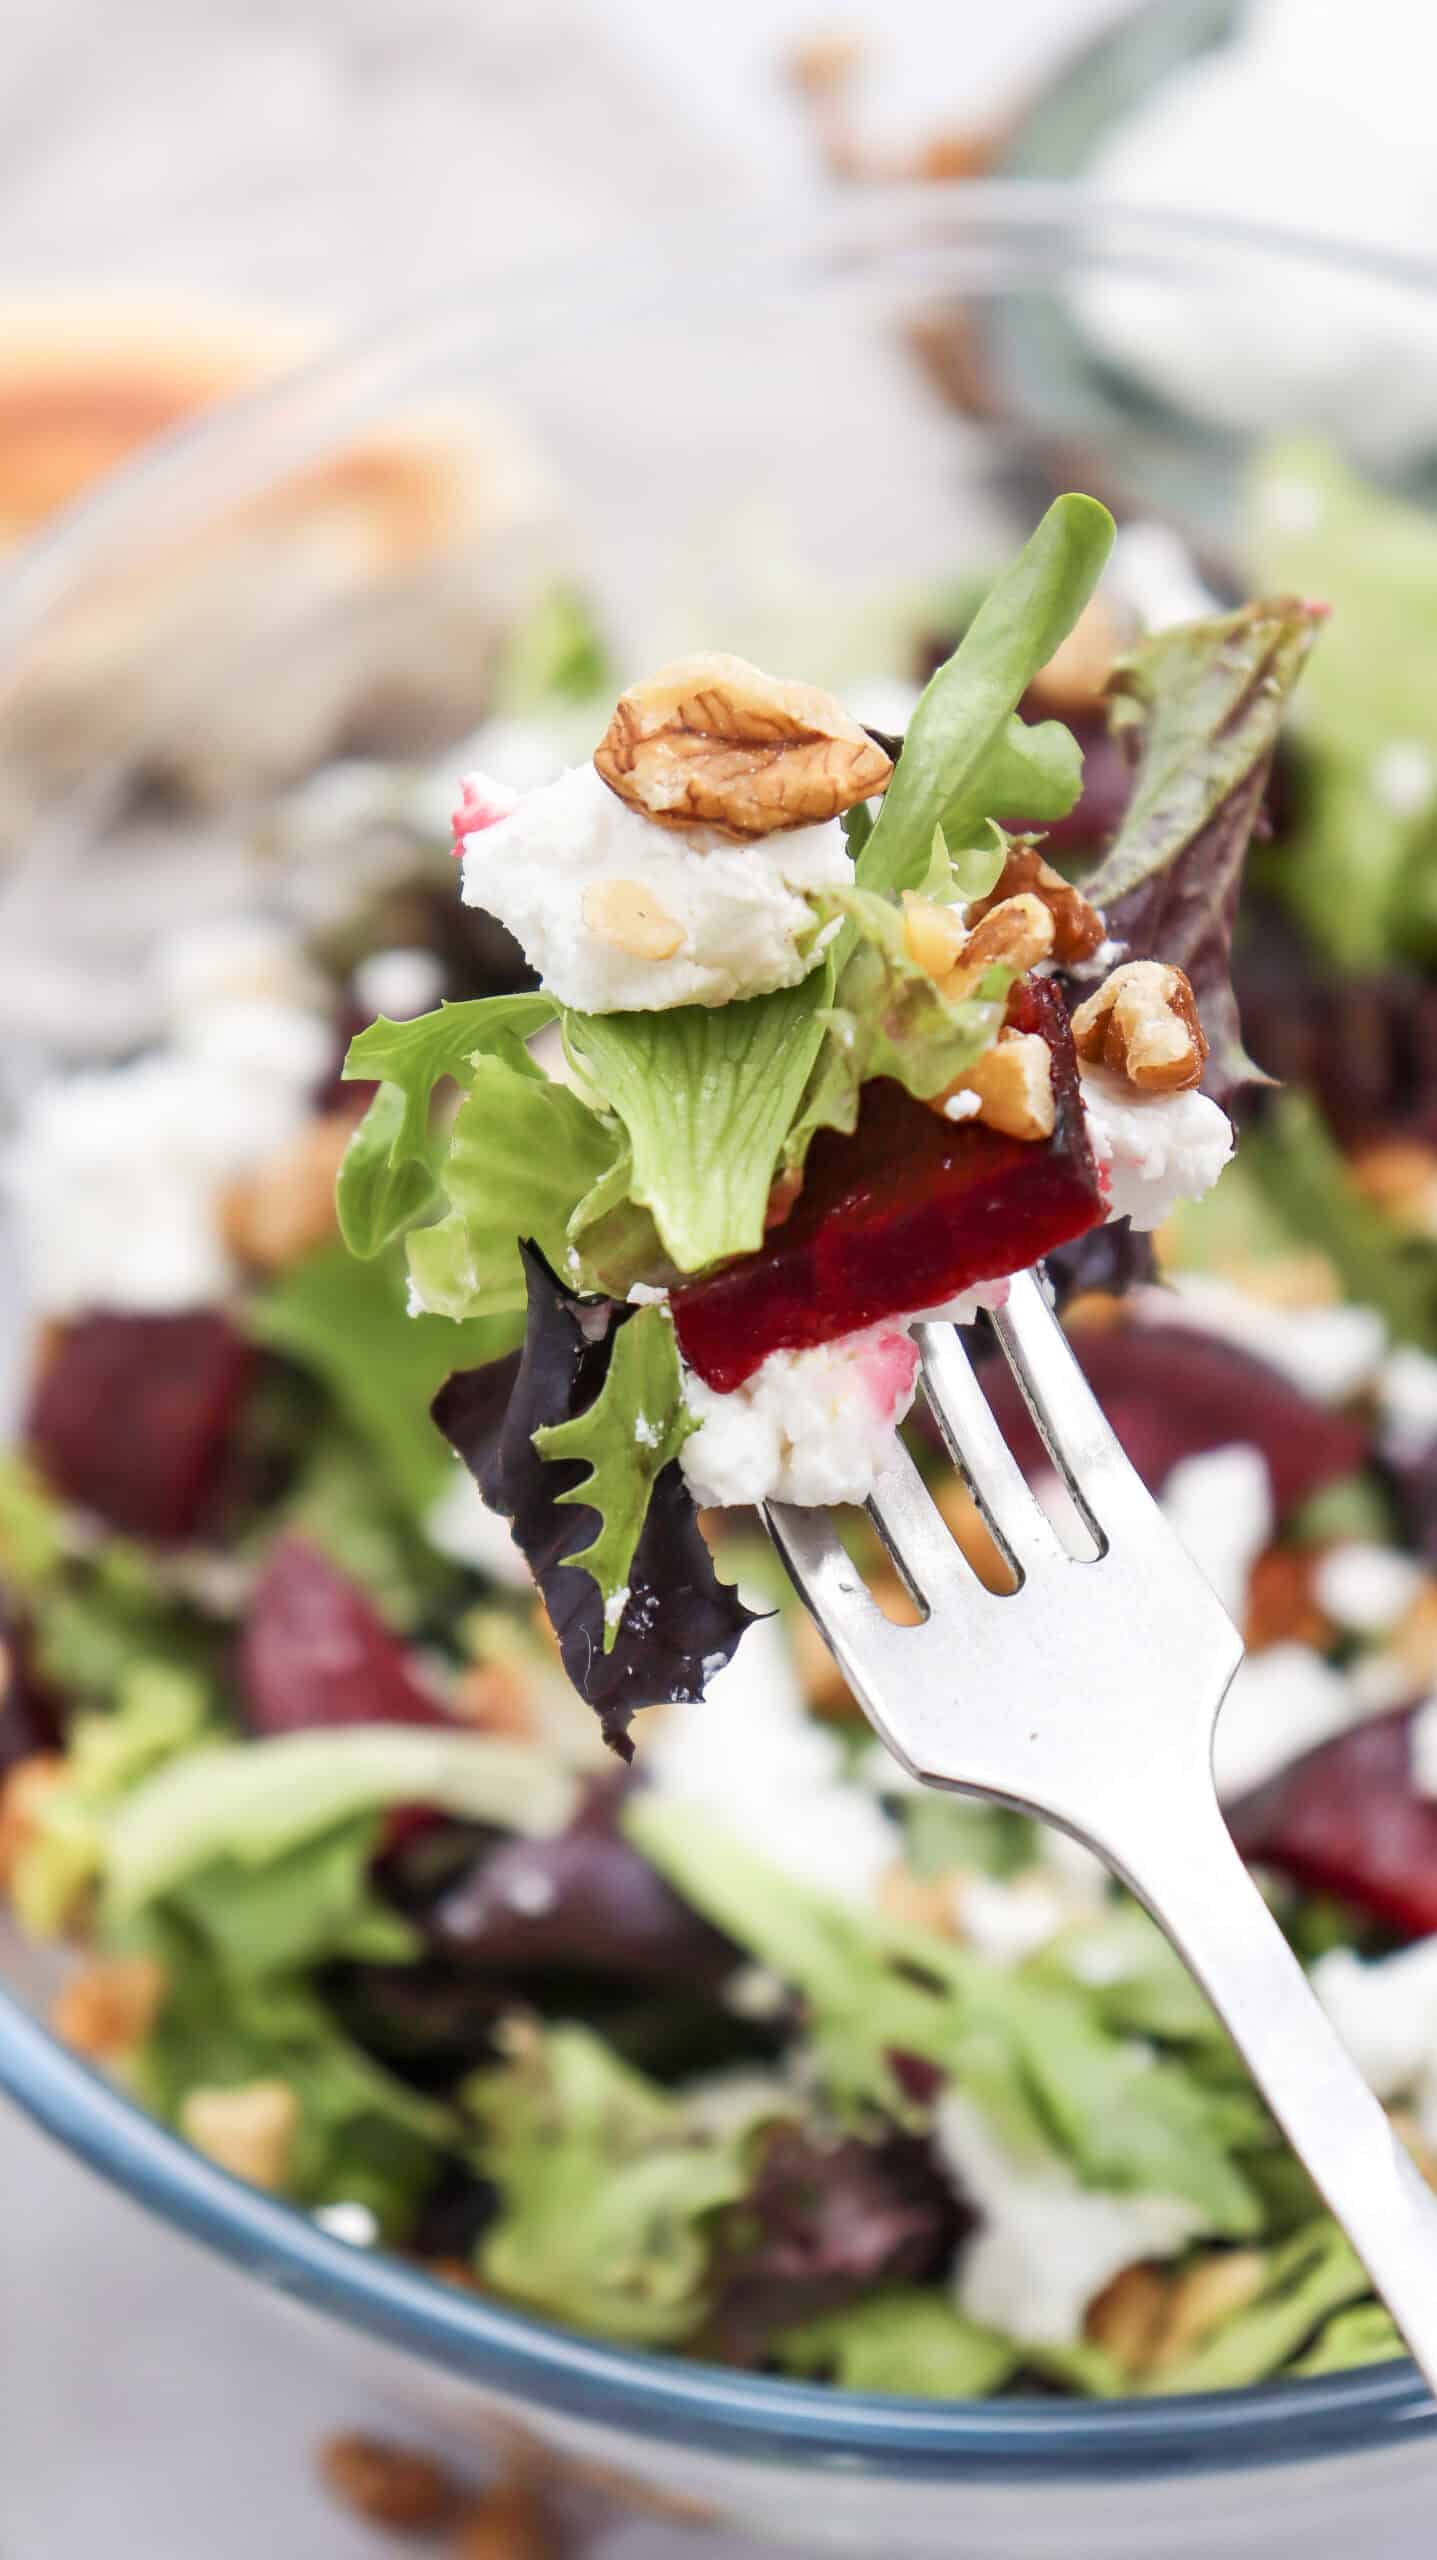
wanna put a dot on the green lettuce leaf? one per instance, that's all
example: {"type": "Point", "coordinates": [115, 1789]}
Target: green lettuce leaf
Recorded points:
{"type": "Point", "coordinates": [1199, 708]}
{"type": "Point", "coordinates": [523, 1153]}
{"type": "Point", "coordinates": [347, 1323]}
{"type": "Point", "coordinates": [636, 1425]}
{"type": "Point", "coordinates": [414, 1057]}
{"type": "Point", "coordinates": [1357, 866]}
{"type": "Point", "coordinates": [909, 2341]}
{"type": "Point", "coordinates": [609, 2189]}
{"type": "Point", "coordinates": [252, 1802]}
{"type": "Point", "coordinates": [706, 1096]}
{"type": "Point", "coordinates": [309, 1905]}
{"type": "Point", "coordinates": [1309, 2277]}
{"type": "Point", "coordinates": [380, 1190]}
{"type": "Point", "coordinates": [966, 758]}
{"type": "Point", "coordinates": [1035, 2057]}
{"type": "Point", "coordinates": [159, 1716]}
{"type": "Point", "coordinates": [1367, 2334]}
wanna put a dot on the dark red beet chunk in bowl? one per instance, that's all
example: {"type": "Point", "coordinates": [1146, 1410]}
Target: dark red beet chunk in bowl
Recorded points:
{"type": "Point", "coordinates": [1348, 1820]}
{"type": "Point", "coordinates": [315, 1651]}
{"type": "Point", "coordinates": [904, 1213]}
{"type": "Point", "coordinates": [131, 1414]}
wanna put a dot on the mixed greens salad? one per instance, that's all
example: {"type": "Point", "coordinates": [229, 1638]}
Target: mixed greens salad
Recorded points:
{"type": "Point", "coordinates": [747, 2051]}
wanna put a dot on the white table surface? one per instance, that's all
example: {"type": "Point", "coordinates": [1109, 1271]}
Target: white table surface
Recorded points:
{"type": "Point", "coordinates": [328, 155]}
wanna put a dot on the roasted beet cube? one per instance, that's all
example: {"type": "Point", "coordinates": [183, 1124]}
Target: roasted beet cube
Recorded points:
{"type": "Point", "coordinates": [1348, 1820]}
{"type": "Point", "coordinates": [1171, 1392]}
{"type": "Point", "coordinates": [315, 1651]}
{"type": "Point", "coordinates": [131, 1414]}
{"type": "Point", "coordinates": [904, 1213]}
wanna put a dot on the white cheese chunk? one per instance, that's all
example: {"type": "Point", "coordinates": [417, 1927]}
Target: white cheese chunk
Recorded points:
{"type": "Point", "coordinates": [1045, 2245]}
{"type": "Point", "coordinates": [1283, 1702]}
{"type": "Point", "coordinates": [808, 1426]}
{"type": "Point", "coordinates": [1385, 2012]}
{"type": "Point", "coordinates": [461, 1525]}
{"type": "Point", "coordinates": [1009, 1921]}
{"type": "Point", "coordinates": [1366, 1587]}
{"type": "Point", "coordinates": [739, 912]}
{"type": "Point", "coordinates": [1154, 1148]}
{"type": "Point", "coordinates": [1219, 1503]}
{"type": "Point", "coordinates": [763, 1769]}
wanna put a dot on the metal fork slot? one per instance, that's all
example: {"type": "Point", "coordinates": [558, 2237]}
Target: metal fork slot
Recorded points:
{"type": "Point", "coordinates": [914, 1532]}
{"type": "Point", "coordinates": [978, 1449]}
{"type": "Point", "coordinates": [1105, 1486]}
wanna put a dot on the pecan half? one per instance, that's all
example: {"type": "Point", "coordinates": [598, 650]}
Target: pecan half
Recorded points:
{"type": "Point", "coordinates": [1143, 1024]}
{"type": "Point", "coordinates": [1015, 934]}
{"type": "Point", "coordinates": [1013, 1082]}
{"type": "Point", "coordinates": [713, 742]}
{"type": "Point", "coordinates": [1077, 927]}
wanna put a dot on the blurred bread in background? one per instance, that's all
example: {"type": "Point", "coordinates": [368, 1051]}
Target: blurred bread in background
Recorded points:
{"type": "Point", "coordinates": [376, 576]}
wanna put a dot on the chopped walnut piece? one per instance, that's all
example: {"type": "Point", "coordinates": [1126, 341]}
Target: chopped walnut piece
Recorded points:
{"type": "Point", "coordinates": [110, 2008]}
{"type": "Point", "coordinates": [22, 1795]}
{"type": "Point", "coordinates": [920, 1902]}
{"type": "Point", "coordinates": [250, 2130]}
{"type": "Point", "coordinates": [933, 935]}
{"type": "Point", "coordinates": [1282, 1605]}
{"type": "Point", "coordinates": [285, 1208]}
{"type": "Point", "coordinates": [1143, 1025]}
{"type": "Point", "coordinates": [388, 2484]}
{"type": "Point", "coordinates": [1014, 1084]}
{"type": "Point", "coordinates": [1126, 2318]}
{"type": "Point", "coordinates": [1400, 1175]}
{"type": "Point", "coordinates": [1413, 1641]}
{"type": "Point", "coordinates": [1014, 935]}
{"type": "Point", "coordinates": [972, 1535]}
{"type": "Point", "coordinates": [1201, 2299]}
{"type": "Point", "coordinates": [1077, 928]}
{"type": "Point", "coordinates": [495, 1697]}
{"type": "Point", "coordinates": [509, 2524]}
{"type": "Point", "coordinates": [1075, 677]}
{"type": "Point", "coordinates": [626, 914]}
{"type": "Point", "coordinates": [713, 742]}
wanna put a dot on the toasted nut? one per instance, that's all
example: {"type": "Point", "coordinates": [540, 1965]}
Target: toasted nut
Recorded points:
{"type": "Point", "coordinates": [934, 936]}
{"type": "Point", "coordinates": [1094, 1311]}
{"type": "Point", "coordinates": [1143, 1024]}
{"type": "Point", "coordinates": [629, 916]}
{"type": "Point", "coordinates": [1077, 928]}
{"type": "Point", "coordinates": [1281, 1606]}
{"type": "Point", "coordinates": [249, 2131]}
{"type": "Point", "coordinates": [973, 1536]}
{"type": "Point", "coordinates": [110, 2008]}
{"type": "Point", "coordinates": [1013, 935]}
{"type": "Point", "coordinates": [284, 1210]}
{"type": "Point", "coordinates": [388, 2484]}
{"type": "Point", "coordinates": [452, 2271]}
{"type": "Point", "coordinates": [1014, 1084]}
{"type": "Point", "coordinates": [1126, 2318]}
{"type": "Point", "coordinates": [496, 1698]}
{"type": "Point", "coordinates": [783, 1192]}
{"type": "Point", "coordinates": [1409, 2133]}
{"type": "Point", "coordinates": [509, 2524]}
{"type": "Point", "coordinates": [1413, 1641]}
{"type": "Point", "coordinates": [1400, 1175]}
{"type": "Point", "coordinates": [711, 741]}
{"type": "Point", "coordinates": [823, 1684]}
{"type": "Point", "coordinates": [1201, 2299]}
{"type": "Point", "coordinates": [22, 1795]}
{"type": "Point", "coordinates": [921, 1902]}
{"type": "Point", "coordinates": [1078, 670]}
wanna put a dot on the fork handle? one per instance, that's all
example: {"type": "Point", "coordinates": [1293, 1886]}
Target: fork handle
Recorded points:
{"type": "Point", "coordinates": [1201, 1895]}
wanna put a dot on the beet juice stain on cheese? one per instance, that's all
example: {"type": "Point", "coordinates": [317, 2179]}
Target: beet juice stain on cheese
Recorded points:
{"type": "Point", "coordinates": [822, 1044]}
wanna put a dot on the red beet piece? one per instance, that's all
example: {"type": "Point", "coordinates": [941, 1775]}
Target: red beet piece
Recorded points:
{"type": "Point", "coordinates": [1171, 1392]}
{"type": "Point", "coordinates": [131, 1414]}
{"type": "Point", "coordinates": [904, 1213]}
{"type": "Point", "coordinates": [1347, 1820]}
{"type": "Point", "coordinates": [315, 1651]}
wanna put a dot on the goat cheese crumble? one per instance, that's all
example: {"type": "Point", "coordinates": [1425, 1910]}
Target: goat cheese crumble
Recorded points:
{"type": "Point", "coordinates": [738, 914]}
{"type": "Point", "coordinates": [1153, 1148]}
{"type": "Point", "coordinates": [808, 1426]}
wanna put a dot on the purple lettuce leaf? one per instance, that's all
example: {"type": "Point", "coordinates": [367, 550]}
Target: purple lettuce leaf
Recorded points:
{"type": "Point", "coordinates": [680, 1623]}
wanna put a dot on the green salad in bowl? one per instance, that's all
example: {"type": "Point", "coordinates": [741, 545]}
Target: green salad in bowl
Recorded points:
{"type": "Point", "coordinates": [450, 1822]}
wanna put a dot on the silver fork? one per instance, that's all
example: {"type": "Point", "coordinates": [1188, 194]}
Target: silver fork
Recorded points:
{"type": "Point", "coordinates": [1089, 1695]}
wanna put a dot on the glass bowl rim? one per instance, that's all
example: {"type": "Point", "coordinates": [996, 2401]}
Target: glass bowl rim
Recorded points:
{"type": "Point", "coordinates": [750, 2416]}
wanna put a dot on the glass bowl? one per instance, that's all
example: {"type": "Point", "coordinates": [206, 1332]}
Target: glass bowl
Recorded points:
{"type": "Point", "coordinates": [759, 438]}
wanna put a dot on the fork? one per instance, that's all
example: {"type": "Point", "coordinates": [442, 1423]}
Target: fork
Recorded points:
{"type": "Point", "coordinates": [1089, 1695]}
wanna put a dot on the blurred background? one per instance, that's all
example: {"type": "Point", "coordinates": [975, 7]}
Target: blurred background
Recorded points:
{"type": "Point", "coordinates": [192, 201]}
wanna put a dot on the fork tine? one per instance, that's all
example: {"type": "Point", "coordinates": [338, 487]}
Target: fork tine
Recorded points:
{"type": "Point", "coordinates": [914, 1530]}
{"type": "Point", "coordinates": [1076, 1432]}
{"type": "Point", "coordinates": [826, 1577]}
{"type": "Point", "coordinates": [976, 1445]}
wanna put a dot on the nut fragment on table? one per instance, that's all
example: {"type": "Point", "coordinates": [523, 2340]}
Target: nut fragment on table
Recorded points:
{"type": "Point", "coordinates": [1143, 1025]}
{"type": "Point", "coordinates": [508, 2524]}
{"type": "Point", "coordinates": [1078, 928]}
{"type": "Point", "coordinates": [388, 2484]}
{"type": "Point", "coordinates": [712, 741]}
